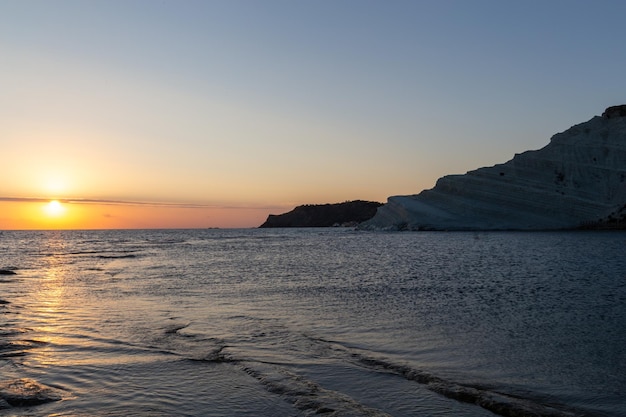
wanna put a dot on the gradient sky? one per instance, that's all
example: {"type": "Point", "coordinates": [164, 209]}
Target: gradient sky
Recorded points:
{"type": "Point", "coordinates": [217, 113]}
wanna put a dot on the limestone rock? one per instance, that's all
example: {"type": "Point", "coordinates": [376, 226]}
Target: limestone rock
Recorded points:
{"type": "Point", "coordinates": [577, 180]}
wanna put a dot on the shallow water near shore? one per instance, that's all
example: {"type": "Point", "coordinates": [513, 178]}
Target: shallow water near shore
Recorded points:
{"type": "Point", "coordinates": [296, 322]}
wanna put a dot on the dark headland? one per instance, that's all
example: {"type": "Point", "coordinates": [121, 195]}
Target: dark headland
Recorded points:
{"type": "Point", "coordinates": [347, 214]}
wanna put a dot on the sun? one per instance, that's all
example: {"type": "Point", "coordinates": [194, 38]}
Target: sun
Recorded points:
{"type": "Point", "coordinates": [54, 208]}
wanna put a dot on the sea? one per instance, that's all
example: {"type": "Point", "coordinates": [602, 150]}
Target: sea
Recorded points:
{"type": "Point", "coordinates": [303, 322]}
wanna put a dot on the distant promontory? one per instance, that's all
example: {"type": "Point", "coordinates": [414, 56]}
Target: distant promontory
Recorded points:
{"type": "Point", "coordinates": [349, 213]}
{"type": "Point", "coordinates": [577, 181]}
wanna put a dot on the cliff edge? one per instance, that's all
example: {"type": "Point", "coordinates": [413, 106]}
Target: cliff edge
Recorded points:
{"type": "Point", "coordinates": [577, 181]}
{"type": "Point", "coordinates": [349, 213]}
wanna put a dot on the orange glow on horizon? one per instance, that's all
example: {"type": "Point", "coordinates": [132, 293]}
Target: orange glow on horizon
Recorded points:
{"type": "Point", "coordinates": [17, 215]}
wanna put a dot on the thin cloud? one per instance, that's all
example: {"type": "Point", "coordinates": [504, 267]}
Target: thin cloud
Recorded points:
{"type": "Point", "coordinates": [134, 203]}
{"type": "Point", "coordinates": [25, 199]}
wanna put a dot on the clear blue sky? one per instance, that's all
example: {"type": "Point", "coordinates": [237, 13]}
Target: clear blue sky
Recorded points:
{"type": "Point", "coordinates": [278, 103]}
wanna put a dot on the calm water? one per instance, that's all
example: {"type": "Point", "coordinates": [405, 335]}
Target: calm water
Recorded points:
{"type": "Point", "coordinates": [267, 322]}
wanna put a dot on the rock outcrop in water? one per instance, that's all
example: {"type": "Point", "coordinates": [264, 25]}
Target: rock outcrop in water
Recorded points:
{"type": "Point", "coordinates": [577, 181]}
{"type": "Point", "coordinates": [25, 392]}
{"type": "Point", "coordinates": [349, 213]}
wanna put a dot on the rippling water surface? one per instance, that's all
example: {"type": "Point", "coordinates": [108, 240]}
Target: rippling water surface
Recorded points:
{"type": "Point", "coordinates": [296, 322]}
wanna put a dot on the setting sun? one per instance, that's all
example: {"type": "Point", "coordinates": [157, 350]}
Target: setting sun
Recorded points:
{"type": "Point", "coordinates": [54, 208]}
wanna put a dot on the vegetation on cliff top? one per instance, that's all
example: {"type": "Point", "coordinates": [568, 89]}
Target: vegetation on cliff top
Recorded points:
{"type": "Point", "coordinates": [348, 213]}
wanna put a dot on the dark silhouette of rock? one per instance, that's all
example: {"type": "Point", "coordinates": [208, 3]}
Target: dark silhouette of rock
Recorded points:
{"type": "Point", "coordinates": [615, 111]}
{"type": "Point", "coordinates": [7, 272]}
{"type": "Point", "coordinates": [349, 213]}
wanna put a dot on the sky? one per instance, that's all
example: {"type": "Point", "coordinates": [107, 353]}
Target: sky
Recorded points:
{"type": "Point", "coordinates": [185, 114]}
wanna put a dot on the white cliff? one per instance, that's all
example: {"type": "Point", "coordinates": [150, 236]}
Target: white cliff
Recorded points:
{"type": "Point", "coordinates": [578, 179]}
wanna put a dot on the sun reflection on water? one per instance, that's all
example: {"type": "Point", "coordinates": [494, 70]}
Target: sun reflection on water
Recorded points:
{"type": "Point", "coordinates": [50, 307]}
{"type": "Point", "coordinates": [53, 279]}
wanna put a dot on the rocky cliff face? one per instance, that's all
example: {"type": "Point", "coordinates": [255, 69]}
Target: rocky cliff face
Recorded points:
{"type": "Point", "coordinates": [349, 213]}
{"type": "Point", "coordinates": [577, 180]}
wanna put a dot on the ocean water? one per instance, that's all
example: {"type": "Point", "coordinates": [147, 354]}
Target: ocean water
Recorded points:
{"type": "Point", "coordinates": [298, 322]}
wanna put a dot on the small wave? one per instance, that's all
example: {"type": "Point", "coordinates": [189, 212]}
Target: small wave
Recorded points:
{"type": "Point", "coordinates": [306, 395]}
{"type": "Point", "coordinates": [217, 355]}
{"type": "Point", "coordinates": [7, 272]}
{"type": "Point", "coordinates": [12, 331]}
{"type": "Point", "coordinates": [157, 242]}
{"type": "Point", "coordinates": [502, 404]}
{"type": "Point", "coordinates": [497, 402]}
{"type": "Point", "coordinates": [17, 348]}
{"type": "Point", "coordinates": [175, 328]}
{"type": "Point", "coordinates": [102, 254]}
{"type": "Point", "coordinates": [117, 256]}
{"type": "Point", "coordinates": [85, 252]}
